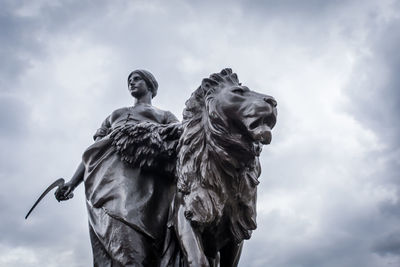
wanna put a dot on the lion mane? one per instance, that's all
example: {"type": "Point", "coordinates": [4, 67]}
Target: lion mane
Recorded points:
{"type": "Point", "coordinates": [216, 171]}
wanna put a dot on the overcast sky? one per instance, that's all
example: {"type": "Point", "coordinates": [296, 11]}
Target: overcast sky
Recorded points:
{"type": "Point", "coordinates": [330, 187]}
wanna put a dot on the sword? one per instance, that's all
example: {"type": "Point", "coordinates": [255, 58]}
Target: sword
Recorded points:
{"type": "Point", "coordinates": [58, 183]}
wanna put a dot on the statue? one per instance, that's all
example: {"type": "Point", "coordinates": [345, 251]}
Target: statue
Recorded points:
{"type": "Point", "coordinates": [224, 127]}
{"type": "Point", "coordinates": [164, 193]}
{"type": "Point", "coordinates": [126, 204]}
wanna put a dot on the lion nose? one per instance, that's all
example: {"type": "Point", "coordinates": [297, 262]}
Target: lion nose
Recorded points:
{"type": "Point", "coordinates": [270, 100]}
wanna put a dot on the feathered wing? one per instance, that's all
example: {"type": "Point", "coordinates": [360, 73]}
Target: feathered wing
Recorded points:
{"type": "Point", "coordinates": [148, 145]}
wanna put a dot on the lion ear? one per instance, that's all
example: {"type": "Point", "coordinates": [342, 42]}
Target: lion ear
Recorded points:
{"type": "Point", "coordinates": [235, 77]}
{"type": "Point", "coordinates": [226, 71]}
{"type": "Point", "coordinates": [208, 83]}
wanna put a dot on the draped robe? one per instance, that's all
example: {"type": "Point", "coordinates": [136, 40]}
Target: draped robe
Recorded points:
{"type": "Point", "coordinates": [127, 206]}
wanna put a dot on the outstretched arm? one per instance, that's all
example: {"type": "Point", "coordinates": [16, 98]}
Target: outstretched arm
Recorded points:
{"type": "Point", "coordinates": [65, 192]}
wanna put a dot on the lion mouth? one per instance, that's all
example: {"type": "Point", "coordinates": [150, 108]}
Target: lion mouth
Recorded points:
{"type": "Point", "coordinates": [260, 128]}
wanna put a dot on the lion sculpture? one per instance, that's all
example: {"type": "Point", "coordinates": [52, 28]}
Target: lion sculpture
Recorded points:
{"type": "Point", "coordinates": [217, 167]}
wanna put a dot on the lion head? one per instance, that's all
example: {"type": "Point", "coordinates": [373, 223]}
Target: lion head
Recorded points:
{"type": "Point", "coordinates": [239, 109]}
{"type": "Point", "coordinates": [227, 120]}
{"type": "Point", "coordinates": [224, 125]}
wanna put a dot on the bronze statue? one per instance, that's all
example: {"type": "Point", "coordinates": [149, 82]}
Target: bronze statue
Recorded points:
{"type": "Point", "coordinates": [164, 193]}
{"type": "Point", "coordinates": [224, 126]}
{"type": "Point", "coordinates": [127, 205]}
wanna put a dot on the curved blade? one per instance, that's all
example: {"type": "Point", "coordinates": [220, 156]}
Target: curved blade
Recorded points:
{"type": "Point", "coordinates": [57, 183]}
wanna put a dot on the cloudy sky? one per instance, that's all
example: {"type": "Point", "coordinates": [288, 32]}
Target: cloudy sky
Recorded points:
{"type": "Point", "coordinates": [330, 188]}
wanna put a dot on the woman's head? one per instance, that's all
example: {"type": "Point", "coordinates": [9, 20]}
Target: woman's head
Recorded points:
{"type": "Point", "coordinates": [149, 79]}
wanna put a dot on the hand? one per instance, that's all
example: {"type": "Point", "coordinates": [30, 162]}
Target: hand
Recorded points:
{"type": "Point", "coordinates": [64, 192]}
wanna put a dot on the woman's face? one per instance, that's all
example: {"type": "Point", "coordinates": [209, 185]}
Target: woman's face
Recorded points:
{"type": "Point", "coordinates": [137, 86]}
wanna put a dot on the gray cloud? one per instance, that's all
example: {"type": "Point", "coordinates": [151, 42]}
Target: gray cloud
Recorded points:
{"type": "Point", "coordinates": [389, 245]}
{"type": "Point", "coordinates": [27, 27]}
{"type": "Point", "coordinates": [14, 115]}
{"type": "Point", "coordinates": [326, 196]}
{"type": "Point", "coordinates": [376, 83]}
{"type": "Point", "coordinates": [375, 102]}
{"type": "Point", "coordinates": [18, 45]}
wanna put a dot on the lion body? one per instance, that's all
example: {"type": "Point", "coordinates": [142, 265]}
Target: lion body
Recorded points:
{"type": "Point", "coordinates": [218, 168]}
{"type": "Point", "coordinates": [215, 183]}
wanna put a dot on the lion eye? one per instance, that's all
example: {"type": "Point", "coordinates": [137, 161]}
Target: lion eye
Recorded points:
{"type": "Point", "coordinates": [239, 91]}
